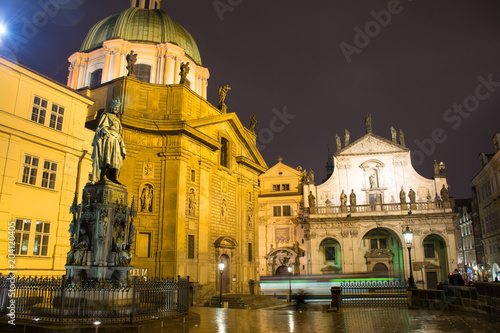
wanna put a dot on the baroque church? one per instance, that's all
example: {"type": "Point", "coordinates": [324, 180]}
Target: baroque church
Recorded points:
{"type": "Point", "coordinates": [191, 168]}
{"type": "Point", "coordinates": [354, 221]}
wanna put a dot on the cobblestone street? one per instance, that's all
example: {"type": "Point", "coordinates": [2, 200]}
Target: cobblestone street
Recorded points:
{"type": "Point", "coordinates": [352, 320]}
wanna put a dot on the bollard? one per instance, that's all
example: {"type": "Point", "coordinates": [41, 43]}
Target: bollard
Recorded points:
{"type": "Point", "coordinates": [336, 304]}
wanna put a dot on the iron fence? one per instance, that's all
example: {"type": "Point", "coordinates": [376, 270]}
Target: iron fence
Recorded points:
{"type": "Point", "coordinates": [374, 294]}
{"type": "Point", "coordinates": [54, 300]}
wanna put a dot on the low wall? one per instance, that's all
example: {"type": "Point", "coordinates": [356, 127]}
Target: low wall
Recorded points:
{"type": "Point", "coordinates": [482, 298]}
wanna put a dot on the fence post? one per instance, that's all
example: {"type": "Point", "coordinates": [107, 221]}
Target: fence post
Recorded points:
{"type": "Point", "coordinates": [178, 293]}
{"type": "Point", "coordinates": [63, 291]}
{"type": "Point", "coordinates": [133, 300]}
{"type": "Point", "coordinates": [188, 292]}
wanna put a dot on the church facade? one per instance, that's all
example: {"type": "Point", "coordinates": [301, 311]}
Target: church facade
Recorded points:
{"type": "Point", "coordinates": [354, 221]}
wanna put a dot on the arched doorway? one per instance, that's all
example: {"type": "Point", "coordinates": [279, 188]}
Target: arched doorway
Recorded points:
{"type": "Point", "coordinates": [383, 252]}
{"type": "Point", "coordinates": [225, 273]}
{"type": "Point", "coordinates": [330, 256]}
{"type": "Point", "coordinates": [435, 260]}
{"type": "Point", "coordinates": [278, 261]}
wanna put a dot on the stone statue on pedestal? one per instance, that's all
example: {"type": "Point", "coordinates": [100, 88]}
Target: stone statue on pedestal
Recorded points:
{"type": "Point", "coordinates": [402, 195]}
{"type": "Point", "coordinates": [347, 136]}
{"type": "Point", "coordinates": [394, 135]}
{"type": "Point", "coordinates": [131, 60]}
{"type": "Point", "coordinates": [352, 198]}
{"type": "Point", "coordinates": [402, 138]}
{"type": "Point", "coordinates": [184, 72]}
{"type": "Point", "coordinates": [444, 193]}
{"type": "Point", "coordinates": [312, 199]}
{"type": "Point", "coordinates": [81, 248]}
{"type": "Point", "coordinates": [108, 146]}
{"type": "Point", "coordinates": [337, 140]}
{"type": "Point", "coordinates": [343, 198]}
{"type": "Point", "coordinates": [222, 97]}
{"type": "Point", "coordinates": [412, 195]}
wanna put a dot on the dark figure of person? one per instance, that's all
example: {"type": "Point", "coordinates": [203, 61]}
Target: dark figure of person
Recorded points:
{"type": "Point", "coordinates": [300, 303]}
{"type": "Point", "coordinates": [456, 279]}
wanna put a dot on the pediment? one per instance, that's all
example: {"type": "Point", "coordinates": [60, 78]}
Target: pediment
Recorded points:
{"type": "Point", "coordinates": [372, 144]}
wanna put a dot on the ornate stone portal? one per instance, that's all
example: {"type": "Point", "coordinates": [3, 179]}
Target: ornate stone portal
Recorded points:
{"type": "Point", "coordinates": [102, 231]}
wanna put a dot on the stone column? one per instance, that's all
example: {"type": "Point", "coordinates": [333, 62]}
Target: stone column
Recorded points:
{"type": "Point", "coordinates": [105, 71]}
{"type": "Point", "coordinates": [177, 69]}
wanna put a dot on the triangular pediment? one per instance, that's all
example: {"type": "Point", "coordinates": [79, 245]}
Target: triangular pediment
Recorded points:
{"type": "Point", "coordinates": [281, 170]}
{"type": "Point", "coordinates": [372, 144]}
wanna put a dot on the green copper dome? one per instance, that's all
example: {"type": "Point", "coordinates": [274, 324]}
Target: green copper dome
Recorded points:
{"type": "Point", "coordinates": [141, 26]}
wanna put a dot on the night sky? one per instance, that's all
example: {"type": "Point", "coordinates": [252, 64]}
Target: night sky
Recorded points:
{"type": "Point", "coordinates": [325, 64]}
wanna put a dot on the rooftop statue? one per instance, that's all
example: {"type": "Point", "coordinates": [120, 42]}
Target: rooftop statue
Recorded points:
{"type": "Point", "coordinates": [394, 135]}
{"type": "Point", "coordinates": [402, 138]}
{"type": "Point", "coordinates": [108, 146]}
{"type": "Point", "coordinates": [222, 97]}
{"type": "Point", "coordinates": [337, 141]}
{"type": "Point", "coordinates": [184, 72]}
{"type": "Point", "coordinates": [347, 136]}
{"type": "Point", "coordinates": [131, 60]}
{"type": "Point", "coordinates": [253, 122]}
{"type": "Point", "coordinates": [368, 123]}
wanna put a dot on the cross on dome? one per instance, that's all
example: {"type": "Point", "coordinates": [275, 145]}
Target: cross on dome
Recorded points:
{"type": "Point", "coordinates": [146, 4]}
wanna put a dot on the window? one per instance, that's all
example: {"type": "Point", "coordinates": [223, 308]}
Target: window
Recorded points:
{"type": "Point", "coordinates": [190, 246]}
{"type": "Point", "coordinates": [95, 78]}
{"type": "Point", "coordinates": [193, 176]}
{"type": "Point", "coordinates": [22, 236]}
{"type": "Point", "coordinates": [285, 187]}
{"type": "Point", "coordinates": [49, 175]}
{"type": "Point", "coordinates": [143, 72]}
{"type": "Point", "coordinates": [250, 252]}
{"type": "Point", "coordinates": [330, 253]}
{"type": "Point", "coordinates": [276, 188]}
{"type": "Point", "coordinates": [277, 211]}
{"type": "Point", "coordinates": [378, 243]}
{"type": "Point", "coordinates": [30, 169]}
{"type": "Point", "coordinates": [287, 211]}
{"type": "Point", "coordinates": [39, 110]}
{"type": "Point", "coordinates": [40, 246]}
{"type": "Point", "coordinates": [224, 152]}
{"type": "Point", "coordinates": [429, 250]}
{"type": "Point", "coordinates": [42, 232]}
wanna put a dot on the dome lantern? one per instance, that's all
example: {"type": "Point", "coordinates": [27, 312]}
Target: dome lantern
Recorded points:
{"type": "Point", "coordinates": [146, 4]}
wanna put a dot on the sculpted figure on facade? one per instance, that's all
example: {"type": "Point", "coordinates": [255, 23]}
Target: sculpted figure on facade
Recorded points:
{"type": "Point", "coordinates": [373, 180]}
{"type": "Point", "coordinates": [412, 195]}
{"type": "Point", "coordinates": [131, 60]}
{"type": "Point", "coordinates": [352, 198]}
{"type": "Point", "coordinates": [108, 146]}
{"type": "Point", "coordinates": [402, 196]}
{"type": "Point", "coordinates": [402, 138]}
{"type": "Point", "coordinates": [80, 250]}
{"type": "Point", "coordinates": [311, 176]}
{"type": "Point", "coordinates": [253, 122]}
{"type": "Point", "coordinates": [184, 72]}
{"type": "Point", "coordinates": [192, 202]}
{"type": "Point", "coordinates": [337, 141]}
{"type": "Point", "coordinates": [343, 198]}
{"type": "Point", "coordinates": [444, 193]}
{"type": "Point", "coordinates": [222, 96]}
{"type": "Point", "coordinates": [146, 198]}
{"type": "Point", "coordinates": [394, 135]}
{"type": "Point", "coordinates": [103, 224]}
{"type": "Point", "coordinates": [347, 136]}
{"type": "Point", "coordinates": [312, 199]}
{"type": "Point", "coordinates": [368, 123]}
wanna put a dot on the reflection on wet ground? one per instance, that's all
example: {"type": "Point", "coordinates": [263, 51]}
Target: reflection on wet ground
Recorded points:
{"type": "Point", "coordinates": [215, 320]}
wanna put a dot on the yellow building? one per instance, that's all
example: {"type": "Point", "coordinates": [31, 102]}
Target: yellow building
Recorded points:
{"type": "Point", "coordinates": [43, 159]}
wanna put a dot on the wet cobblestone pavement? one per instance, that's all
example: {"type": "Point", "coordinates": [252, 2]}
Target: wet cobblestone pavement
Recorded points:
{"type": "Point", "coordinates": [213, 320]}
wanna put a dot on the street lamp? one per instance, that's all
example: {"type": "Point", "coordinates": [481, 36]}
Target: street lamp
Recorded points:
{"type": "Point", "coordinates": [221, 269]}
{"type": "Point", "coordinates": [408, 236]}
{"type": "Point", "coordinates": [289, 268]}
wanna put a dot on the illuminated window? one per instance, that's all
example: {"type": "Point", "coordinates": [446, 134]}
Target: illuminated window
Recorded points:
{"type": "Point", "coordinates": [49, 174]}
{"type": "Point", "coordinates": [56, 117]}
{"type": "Point", "coordinates": [22, 236]}
{"type": "Point", "coordinates": [285, 187]}
{"type": "Point", "coordinates": [39, 110]}
{"type": "Point", "coordinates": [276, 188]}
{"type": "Point", "coordinates": [30, 169]}
{"type": "Point", "coordinates": [429, 250]}
{"type": "Point", "coordinates": [143, 72]}
{"type": "Point", "coordinates": [41, 245]}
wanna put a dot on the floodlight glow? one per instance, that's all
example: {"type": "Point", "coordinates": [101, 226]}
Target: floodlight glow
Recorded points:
{"type": "Point", "coordinates": [3, 30]}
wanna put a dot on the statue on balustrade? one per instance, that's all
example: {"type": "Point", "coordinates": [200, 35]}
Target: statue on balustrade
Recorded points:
{"type": "Point", "coordinates": [402, 195]}
{"type": "Point", "coordinates": [352, 198]}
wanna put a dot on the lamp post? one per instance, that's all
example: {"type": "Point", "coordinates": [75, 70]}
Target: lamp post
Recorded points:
{"type": "Point", "coordinates": [221, 269]}
{"type": "Point", "coordinates": [408, 236]}
{"type": "Point", "coordinates": [289, 268]}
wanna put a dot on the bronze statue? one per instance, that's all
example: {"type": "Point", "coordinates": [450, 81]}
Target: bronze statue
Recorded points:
{"type": "Point", "coordinates": [368, 123]}
{"type": "Point", "coordinates": [352, 198]}
{"type": "Point", "coordinates": [253, 122]}
{"type": "Point", "coordinates": [343, 198]}
{"type": "Point", "coordinates": [131, 60]}
{"type": "Point", "coordinates": [412, 195]}
{"type": "Point", "coordinates": [222, 95]}
{"type": "Point", "coordinates": [108, 146]}
{"type": "Point", "coordinates": [184, 72]}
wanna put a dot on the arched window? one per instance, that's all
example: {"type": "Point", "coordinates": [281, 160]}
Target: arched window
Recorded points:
{"type": "Point", "coordinates": [146, 4]}
{"type": "Point", "coordinates": [224, 152]}
{"type": "Point", "coordinates": [95, 78]}
{"type": "Point", "coordinates": [143, 72]}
